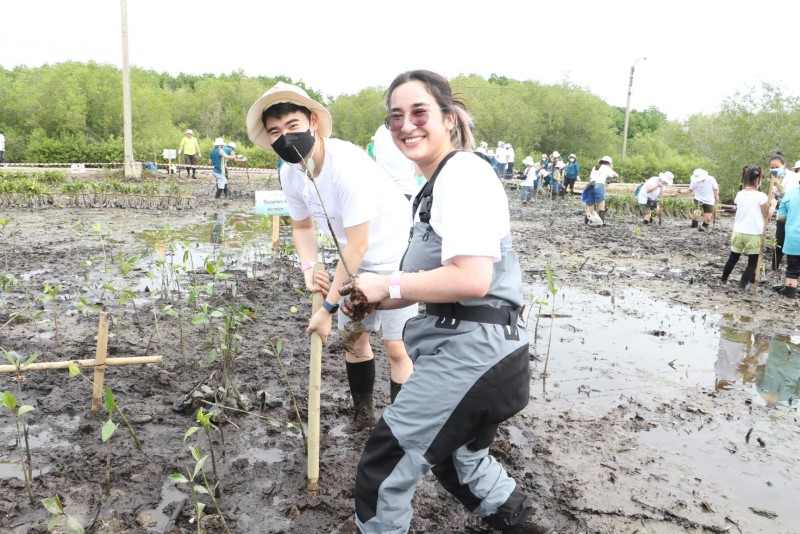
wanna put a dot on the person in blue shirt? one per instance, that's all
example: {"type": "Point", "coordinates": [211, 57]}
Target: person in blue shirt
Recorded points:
{"type": "Point", "coordinates": [571, 173]}
{"type": "Point", "coordinates": [218, 157]}
{"type": "Point", "coordinates": [789, 214]}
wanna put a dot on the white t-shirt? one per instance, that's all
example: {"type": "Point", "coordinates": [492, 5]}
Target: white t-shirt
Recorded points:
{"type": "Point", "coordinates": [2, 143]}
{"type": "Point", "coordinates": [790, 180]}
{"type": "Point", "coordinates": [394, 163]}
{"type": "Point", "coordinates": [510, 154]}
{"type": "Point", "coordinates": [530, 176]}
{"type": "Point", "coordinates": [355, 190]}
{"type": "Point", "coordinates": [599, 176]}
{"type": "Point", "coordinates": [704, 190]}
{"type": "Point", "coordinates": [749, 219]}
{"type": "Point", "coordinates": [501, 155]}
{"type": "Point", "coordinates": [644, 195]}
{"type": "Point", "coordinates": [470, 209]}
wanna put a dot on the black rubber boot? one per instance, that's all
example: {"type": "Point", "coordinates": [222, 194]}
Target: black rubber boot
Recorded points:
{"type": "Point", "coordinates": [219, 193]}
{"type": "Point", "coordinates": [226, 190]}
{"type": "Point", "coordinates": [602, 216]}
{"type": "Point", "coordinates": [585, 219]}
{"type": "Point", "coordinates": [788, 292]}
{"type": "Point", "coordinates": [364, 416]}
{"type": "Point", "coordinates": [743, 282]}
{"type": "Point", "coordinates": [695, 224]}
{"type": "Point", "coordinates": [394, 389]}
{"type": "Point", "coordinates": [703, 228]}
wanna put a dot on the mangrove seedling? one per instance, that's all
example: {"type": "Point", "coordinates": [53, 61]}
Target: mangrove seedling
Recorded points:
{"type": "Point", "coordinates": [55, 508]}
{"type": "Point", "coordinates": [199, 487]}
{"type": "Point", "coordinates": [204, 418]}
{"type": "Point", "coordinates": [170, 311]}
{"type": "Point", "coordinates": [8, 400]}
{"type": "Point", "coordinates": [49, 294]}
{"type": "Point", "coordinates": [552, 289]}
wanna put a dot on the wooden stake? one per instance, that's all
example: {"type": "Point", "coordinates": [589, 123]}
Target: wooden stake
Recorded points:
{"type": "Point", "coordinates": [100, 359]}
{"type": "Point", "coordinates": [314, 387]}
{"type": "Point", "coordinates": [276, 228]}
{"type": "Point", "coordinates": [763, 239]}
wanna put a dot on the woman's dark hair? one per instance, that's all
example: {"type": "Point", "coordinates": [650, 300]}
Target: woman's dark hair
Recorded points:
{"type": "Point", "coordinates": [439, 88]}
{"type": "Point", "coordinates": [281, 109]}
{"type": "Point", "coordinates": [601, 162]}
{"type": "Point", "coordinates": [751, 175]}
{"type": "Point", "coordinates": [777, 156]}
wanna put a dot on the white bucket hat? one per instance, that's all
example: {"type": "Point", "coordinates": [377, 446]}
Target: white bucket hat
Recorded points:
{"type": "Point", "coordinates": [190, 132]}
{"type": "Point", "coordinates": [797, 165]}
{"type": "Point", "coordinates": [699, 175]}
{"type": "Point", "coordinates": [231, 144]}
{"type": "Point", "coordinates": [219, 141]}
{"type": "Point", "coordinates": [279, 93]}
{"type": "Point", "coordinates": [667, 177]}
{"type": "Point", "coordinates": [607, 159]}
{"type": "Point", "coordinates": [528, 161]}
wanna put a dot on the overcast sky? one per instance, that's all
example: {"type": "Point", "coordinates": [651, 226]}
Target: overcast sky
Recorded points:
{"type": "Point", "coordinates": [698, 51]}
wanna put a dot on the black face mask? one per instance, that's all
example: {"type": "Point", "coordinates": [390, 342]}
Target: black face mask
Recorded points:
{"type": "Point", "coordinates": [293, 147]}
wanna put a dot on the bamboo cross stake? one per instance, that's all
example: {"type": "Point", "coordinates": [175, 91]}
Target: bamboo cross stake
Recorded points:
{"type": "Point", "coordinates": [99, 363]}
{"type": "Point", "coordinates": [763, 239]}
{"type": "Point", "coordinates": [314, 385]}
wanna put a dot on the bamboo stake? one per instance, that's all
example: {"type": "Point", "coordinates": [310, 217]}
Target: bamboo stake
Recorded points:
{"type": "Point", "coordinates": [763, 239]}
{"type": "Point", "coordinates": [110, 362]}
{"type": "Point", "coordinates": [314, 385]}
{"type": "Point", "coordinates": [276, 228]}
{"type": "Point", "coordinates": [100, 358]}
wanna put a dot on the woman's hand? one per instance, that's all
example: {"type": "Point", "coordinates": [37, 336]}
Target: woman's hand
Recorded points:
{"type": "Point", "coordinates": [320, 323]}
{"type": "Point", "coordinates": [319, 284]}
{"type": "Point", "coordinates": [375, 287]}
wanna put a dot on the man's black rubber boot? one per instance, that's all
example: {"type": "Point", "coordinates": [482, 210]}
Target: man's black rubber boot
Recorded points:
{"type": "Point", "coordinates": [394, 389]}
{"type": "Point", "coordinates": [602, 216]}
{"type": "Point", "coordinates": [695, 224]}
{"type": "Point", "coordinates": [788, 292]}
{"type": "Point", "coordinates": [364, 416]}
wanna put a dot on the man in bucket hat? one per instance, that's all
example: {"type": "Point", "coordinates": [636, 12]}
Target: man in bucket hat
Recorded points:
{"type": "Point", "coordinates": [356, 200]}
{"type": "Point", "coordinates": [218, 157]}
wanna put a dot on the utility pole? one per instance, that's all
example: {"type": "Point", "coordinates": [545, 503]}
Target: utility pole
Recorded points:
{"type": "Point", "coordinates": [131, 170]}
{"type": "Point", "coordinates": [628, 110]}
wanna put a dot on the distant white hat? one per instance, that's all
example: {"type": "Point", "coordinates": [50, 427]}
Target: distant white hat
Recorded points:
{"type": "Point", "coordinates": [699, 175]}
{"type": "Point", "coordinates": [544, 156]}
{"type": "Point", "coordinates": [607, 159]}
{"type": "Point", "coordinates": [572, 156]}
{"type": "Point", "coordinates": [508, 145]}
{"type": "Point", "coordinates": [279, 93]}
{"type": "Point", "coordinates": [667, 177]}
{"type": "Point", "coordinates": [484, 143]}
{"type": "Point", "coordinates": [797, 165]}
{"type": "Point", "coordinates": [190, 132]}
{"type": "Point", "coordinates": [219, 141]}
{"type": "Point", "coordinates": [501, 144]}
{"type": "Point", "coordinates": [528, 161]}
{"type": "Point", "coordinates": [555, 154]}
{"type": "Point", "coordinates": [231, 144]}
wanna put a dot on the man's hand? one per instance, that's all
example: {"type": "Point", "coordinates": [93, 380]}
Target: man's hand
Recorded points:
{"type": "Point", "coordinates": [321, 324]}
{"type": "Point", "coordinates": [320, 284]}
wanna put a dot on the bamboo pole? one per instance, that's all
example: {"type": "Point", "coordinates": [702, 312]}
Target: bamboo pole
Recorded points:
{"type": "Point", "coordinates": [100, 358]}
{"type": "Point", "coordinates": [763, 239]}
{"type": "Point", "coordinates": [314, 386]}
{"type": "Point", "coordinates": [110, 362]}
{"type": "Point", "coordinates": [276, 229]}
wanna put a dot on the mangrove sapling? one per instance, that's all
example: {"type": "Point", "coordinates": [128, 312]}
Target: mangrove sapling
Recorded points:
{"type": "Point", "coordinates": [552, 289]}
{"type": "Point", "coordinates": [74, 370]}
{"type": "Point", "coordinates": [170, 311]}
{"type": "Point", "coordinates": [275, 349]}
{"type": "Point", "coordinates": [50, 294]}
{"type": "Point", "coordinates": [55, 508]}
{"type": "Point", "coordinates": [8, 400]}
{"type": "Point", "coordinates": [204, 418]}
{"type": "Point", "coordinates": [201, 488]}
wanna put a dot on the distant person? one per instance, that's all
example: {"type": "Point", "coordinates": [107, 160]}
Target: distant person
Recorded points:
{"type": "Point", "coordinates": [502, 159]}
{"type": "Point", "coordinates": [230, 149]}
{"type": "Point", "coordinates": [783, 181]}
{"type": "Point", "coordinates": [528, 180]}
{"type": "Point", "coordinates": [394, 163]}
{"type": "Point", "coordinates": [706, 196]}
{"type": "Point", "coordinates": [366, 212]}
{"type": "Point", "coordinates": [482, 148]}
{"type": "Point", "coordinates": [509, 161]}
{"type": "Point", "coordinates": [190, 148]}
{"type": "Point", "coordinates": [218, 157]}
{"type": "Point", "coordinates": [752, 208]}
{"type": "Point", "coordinates": [596, 198]}
{"type": "Point", "coordinates": [571, 173]}
{"type": "Point", "coordinates": [2, 149]}
{"type": "Point", "coordinates": [789, 215]}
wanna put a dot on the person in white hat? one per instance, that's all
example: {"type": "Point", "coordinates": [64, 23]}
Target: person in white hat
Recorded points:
{"type": "Point", "coordinates": [571, 173]}
{"type": "Point", "coordinates": [596, 195]}
{"type": "Point", "coordinates": [650, 193]}
{"type": "Point", "coordinates": [502, 159]}
{"type": "Point", "coordinates": [783, 181]}
{"type": "Point", "coordinates": [356, 202]}
{"type": "Point", "coordinates": [526, 187]}
{"type": "Point", "coordinates": [509, 161]}
{"type": "Point", "coordinates": [190, 148]}
{"type": "Point", "coordinates": [218, 157]}
{"type": "Point", "coordinates": [706, 196]}
{"type": "Point", "coordinates": [482, 148]}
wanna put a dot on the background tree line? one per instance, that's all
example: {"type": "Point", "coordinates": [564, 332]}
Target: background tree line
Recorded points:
{"type": "Point", "coordinates": [72, 112]}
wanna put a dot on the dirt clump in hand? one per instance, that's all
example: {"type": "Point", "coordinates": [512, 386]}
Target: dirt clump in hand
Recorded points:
{"type": "Point", "coordinates": [358, 307]}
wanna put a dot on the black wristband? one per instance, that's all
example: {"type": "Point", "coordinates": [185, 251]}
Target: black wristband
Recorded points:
{"type": "Point", "coordinates": [331, 308]}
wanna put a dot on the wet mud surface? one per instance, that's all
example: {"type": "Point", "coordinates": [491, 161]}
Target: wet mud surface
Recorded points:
{"type": "Point", "coordinates": [656, 415]}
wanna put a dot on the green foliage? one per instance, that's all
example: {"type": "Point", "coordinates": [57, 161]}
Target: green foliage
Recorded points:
{"type": "Point", "coordinates": [56, 509]}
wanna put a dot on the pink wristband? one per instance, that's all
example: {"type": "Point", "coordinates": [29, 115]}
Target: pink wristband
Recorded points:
{"type": "Point", "coordinates": [306, 266]}
{"type": "Point", "coordinates": [394, 285]}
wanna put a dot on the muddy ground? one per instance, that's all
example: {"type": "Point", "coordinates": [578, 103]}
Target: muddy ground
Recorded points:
{"type": "Point", "coordinates": [604, 445]}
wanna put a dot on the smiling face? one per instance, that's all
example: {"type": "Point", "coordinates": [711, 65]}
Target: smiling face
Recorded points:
{"type": "Point", "coordinates": [426, 144]}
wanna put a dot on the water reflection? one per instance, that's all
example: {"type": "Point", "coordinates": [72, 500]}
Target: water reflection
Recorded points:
{"type": "Point", "coordinates": [772, 364]}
